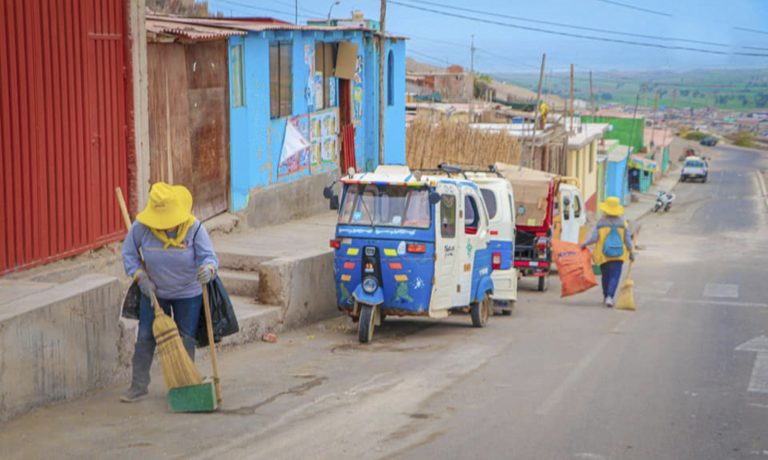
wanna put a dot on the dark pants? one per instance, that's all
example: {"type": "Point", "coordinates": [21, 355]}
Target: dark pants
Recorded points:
{"type": "Point", "coordinates": [611, 275]}
{"type": "Point", "coordinates": [186, 313]}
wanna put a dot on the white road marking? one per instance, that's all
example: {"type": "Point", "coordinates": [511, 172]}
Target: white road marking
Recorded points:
{"type": "Point", "coordinates": [762, 406]}
{"type": "Point", "coordinates": [660, 287]}
{"type": "Point", "coordinates": [589, 456]}
{"type": "Point", "coordinates": [723, 303]}
{"type": "Point", "coordinates": [573, 377]}
{"type": "Point", "coordinates": [721, 291]}
{"type": "Point", "coordinates": [758, 382]}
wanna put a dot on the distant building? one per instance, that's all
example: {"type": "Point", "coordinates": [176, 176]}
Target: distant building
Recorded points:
{"type": "Point", "coordinates": [583, 142]}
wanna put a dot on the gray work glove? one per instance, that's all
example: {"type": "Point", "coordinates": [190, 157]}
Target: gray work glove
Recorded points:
{"type": "Point", "coordinates": [146, 285]}
{"type": "Point", "coordinates": [205, 273]}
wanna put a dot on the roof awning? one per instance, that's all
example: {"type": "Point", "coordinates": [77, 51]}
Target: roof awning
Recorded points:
{"type": "Point", "coordinates": [642, 163]}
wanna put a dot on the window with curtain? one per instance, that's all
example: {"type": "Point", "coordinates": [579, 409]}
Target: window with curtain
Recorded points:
{"type": "Point", "coordinates": [238, 95]}
{"type": "Point", "coordinates": [325, 62]}
{"type": "Point", "coordinates": [280, 92]}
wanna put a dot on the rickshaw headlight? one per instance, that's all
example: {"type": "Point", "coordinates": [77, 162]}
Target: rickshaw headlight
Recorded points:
{"type": "Point", "coordinates": [370, 285]}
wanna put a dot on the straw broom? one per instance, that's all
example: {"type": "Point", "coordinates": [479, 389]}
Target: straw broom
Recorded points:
{"type": "Point", "coordinates": [178, 368]}
{"type": "Point", "coordinates": [626, 298]}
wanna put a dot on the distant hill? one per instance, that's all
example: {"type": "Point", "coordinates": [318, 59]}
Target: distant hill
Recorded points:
{"type": "Point", "coordinates": [735, 89]}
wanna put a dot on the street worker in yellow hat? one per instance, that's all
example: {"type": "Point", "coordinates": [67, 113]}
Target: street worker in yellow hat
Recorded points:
{"type": "Point", "coordinates": [614, 246]}
{"type": "Point", "coordinates": [169, 253]}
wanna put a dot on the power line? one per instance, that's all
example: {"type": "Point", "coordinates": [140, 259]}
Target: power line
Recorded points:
{"type": "Point", "coordinates": [570, 26]}
{"type": "Point", "coordinates": [427, 56]}
{"type": "Point", "coordinates": [754, 31]}
{"type": "Point", "coordinates": [256, 8]}
{"type": "Point", "coordinates": [636, 8]}
{"type": "Point", "coordinates": [573, 35]}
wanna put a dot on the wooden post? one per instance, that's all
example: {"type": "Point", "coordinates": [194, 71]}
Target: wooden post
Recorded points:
{"type": "Point", "coordinates": [382, 43]}
{"type": "Point", "coordinates": [572, 130]}
{"type": "Point", "coordinates": [536, 112]}
{"type": "Point", "coordinates": [471, 98]}
{"type": "Point", "coordinates": [592, 96]}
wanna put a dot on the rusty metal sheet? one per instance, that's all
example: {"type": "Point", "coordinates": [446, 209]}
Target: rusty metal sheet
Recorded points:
{"type": "Point", "coordinates": [190, 31]}
{"type": "Point", "coordinates": [189, 135]}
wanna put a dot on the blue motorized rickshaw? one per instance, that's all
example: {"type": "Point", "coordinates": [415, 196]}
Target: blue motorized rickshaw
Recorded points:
{"type": "Point", "coordinates": [408, 245]}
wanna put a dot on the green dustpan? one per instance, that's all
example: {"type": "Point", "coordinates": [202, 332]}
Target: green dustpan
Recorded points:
{"type": "Point", "coordinates": [206, 396]}
{"type": "Point", "coordinates": [193, 398]}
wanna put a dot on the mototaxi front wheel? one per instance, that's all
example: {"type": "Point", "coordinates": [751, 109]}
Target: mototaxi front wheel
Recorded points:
{"type": "Point", "coordinates": [366, 324]}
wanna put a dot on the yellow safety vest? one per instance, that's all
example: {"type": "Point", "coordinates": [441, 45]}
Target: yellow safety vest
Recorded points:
{"type": "Point", "coordinates": [602, 233]}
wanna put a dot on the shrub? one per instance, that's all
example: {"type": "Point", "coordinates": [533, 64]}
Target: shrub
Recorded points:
{"type": "Point", "coordinates": [696, 135]}
{"type": "Point", "coordinates": [744, 139]}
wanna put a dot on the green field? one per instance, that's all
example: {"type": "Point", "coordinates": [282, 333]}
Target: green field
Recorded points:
{"type": "Point", "coordinates": [736, 89]}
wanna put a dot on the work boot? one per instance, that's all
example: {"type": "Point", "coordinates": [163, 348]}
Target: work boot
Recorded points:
{"type": "Point", "coordinates": [189, 344]}
{"type": "Point", "coordinates": [142, 361]}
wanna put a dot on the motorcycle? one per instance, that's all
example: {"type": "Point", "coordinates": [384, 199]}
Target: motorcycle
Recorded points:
{"type": "Point", "coordinates": [663, 201]}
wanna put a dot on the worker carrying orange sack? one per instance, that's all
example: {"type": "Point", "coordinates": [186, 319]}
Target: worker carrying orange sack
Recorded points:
{"type": "Point", "coordinates": [574, 265]}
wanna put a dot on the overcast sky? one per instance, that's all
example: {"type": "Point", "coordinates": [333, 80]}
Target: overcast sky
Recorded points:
{"type": "Point", "coordinates": [441, 39]}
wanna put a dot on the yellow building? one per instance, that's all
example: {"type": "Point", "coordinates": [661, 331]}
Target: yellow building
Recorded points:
{"type": "Point", "coordinates": [583, 142]}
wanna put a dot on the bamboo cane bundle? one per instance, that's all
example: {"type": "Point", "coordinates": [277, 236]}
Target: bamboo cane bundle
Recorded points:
{"type": "Point", "coordinates": [429, 144]}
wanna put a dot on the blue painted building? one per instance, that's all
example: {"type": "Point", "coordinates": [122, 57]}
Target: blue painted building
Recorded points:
{"type": "Point", "coordinates": [616, 172]}
{"type": "Point", "coordinates": [294, 91]}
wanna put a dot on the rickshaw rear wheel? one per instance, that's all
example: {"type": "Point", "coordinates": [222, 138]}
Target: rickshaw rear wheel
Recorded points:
{"type": "Point", "coordinates": [480, 311]}
{"type": "Point", "coordinates": [366, 324]}
{"type": "Point", "coordinates": [544, 282]}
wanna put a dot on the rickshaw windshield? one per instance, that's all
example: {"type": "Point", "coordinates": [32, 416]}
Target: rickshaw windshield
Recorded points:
{"type": "Point", "coordinates": [386, 205]}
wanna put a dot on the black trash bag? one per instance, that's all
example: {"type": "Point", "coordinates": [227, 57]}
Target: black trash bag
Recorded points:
{"type": "Point", "coordinates": [222, 315]}
{"type": "Point", "coordinates": [131, 302]}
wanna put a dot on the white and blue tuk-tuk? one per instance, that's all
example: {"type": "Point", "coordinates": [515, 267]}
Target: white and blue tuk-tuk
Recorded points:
{"type": "Point", "coordinates": [408, 245]}
{"type": "Point", "coordinates": [499, 200]}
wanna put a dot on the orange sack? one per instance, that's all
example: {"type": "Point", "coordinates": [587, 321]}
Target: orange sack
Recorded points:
{"type": "Point", "coordinates": [574, 265]}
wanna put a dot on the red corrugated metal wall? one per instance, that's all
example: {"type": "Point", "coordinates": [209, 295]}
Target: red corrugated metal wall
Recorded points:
{"type": "Point", "coordinates": [64, 110]}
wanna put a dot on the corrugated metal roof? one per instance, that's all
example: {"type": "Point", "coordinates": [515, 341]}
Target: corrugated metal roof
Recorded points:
{"type": "Point", "coordinates": [236, 26]}
{"type": "Point", "coordinates": [192, 31]}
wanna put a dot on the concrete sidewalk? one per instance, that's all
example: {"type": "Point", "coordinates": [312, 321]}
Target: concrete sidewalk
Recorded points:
{"type": "Point", "coordinates": [60, 327]}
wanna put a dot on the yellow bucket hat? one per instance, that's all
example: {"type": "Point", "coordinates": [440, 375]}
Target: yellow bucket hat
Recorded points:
{"type": "Point", "coordinates": [612, 207]}
{"type": "Point", "coordinates": [168, 206]}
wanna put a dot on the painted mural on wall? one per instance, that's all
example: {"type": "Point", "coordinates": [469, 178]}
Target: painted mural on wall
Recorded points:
{"type": "Point", "coordinates": [324, 140]}
{"type": "Point", "coordinates": [309, 90]}
{"type": "Point", "coordinates": [357, 92]}
{"type": "Point", "coordinates": [295, 154]}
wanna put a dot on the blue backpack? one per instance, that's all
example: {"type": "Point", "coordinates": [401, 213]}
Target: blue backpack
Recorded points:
{"type": "Point", "coordinates": [613, 245]}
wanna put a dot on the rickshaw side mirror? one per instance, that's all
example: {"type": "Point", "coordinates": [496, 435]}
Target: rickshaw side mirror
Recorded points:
{"type": "Point", "coordinates": [334, 202]}
{"type": "Point", "coordinates": [434, 197]}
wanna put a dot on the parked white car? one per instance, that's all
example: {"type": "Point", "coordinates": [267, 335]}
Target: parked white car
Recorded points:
{"type": "Point", "coordinates": [694, 168]}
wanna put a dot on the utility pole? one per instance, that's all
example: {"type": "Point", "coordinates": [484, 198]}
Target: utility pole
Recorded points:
{"type": "Point", "coordinates": [471, 95]}
{"type": "Point", "coordinates": [592, 96]}
{"type": "Point", "coordinates": [296, 12]}
{"type": "Point", "coordinates": [529, 160]}
{"type": "Point", "coordinates": [382, 43]}
{"type": "Point", "coordinates": [572, 127]}
{"type": "Point", "coordinates": [655, 107]}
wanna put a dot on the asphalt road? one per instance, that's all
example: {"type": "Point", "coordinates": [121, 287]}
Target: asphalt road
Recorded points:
{"type": "Point", "coordinates": [560, 379]}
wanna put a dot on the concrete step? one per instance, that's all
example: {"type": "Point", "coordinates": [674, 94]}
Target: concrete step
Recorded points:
{"type": "Point", "coordinates": [240, 283]}
{"type": "Point", "coordinates": [240, 261]}
{"type": "Point", "coordinates": [254, 319]}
